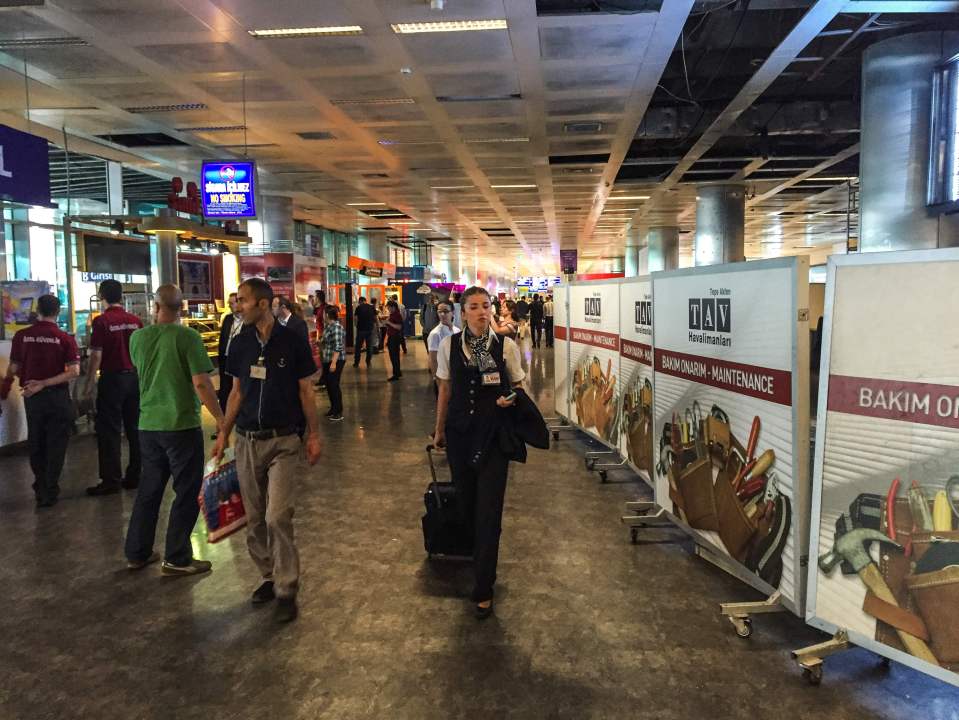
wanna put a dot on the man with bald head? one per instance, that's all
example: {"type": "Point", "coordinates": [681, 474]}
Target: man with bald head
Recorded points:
{"type": "Point", "coordinates": [174, 371]}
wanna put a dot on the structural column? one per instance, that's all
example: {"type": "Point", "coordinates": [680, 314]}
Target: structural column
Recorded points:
{"type": "Point", "coordinates": [631, 260]}
{"type": "Point", "coordinates": [720, 224]}
{"type": "Point", "coordinates": [897, 86]}
{"type": "Point", "coordinates": [166, 258]}
{"type": "Point", "coordinates": [663, 244]}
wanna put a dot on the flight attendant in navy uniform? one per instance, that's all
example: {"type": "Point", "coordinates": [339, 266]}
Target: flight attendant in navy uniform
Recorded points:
{"type": "Point", "coordinates": [476, 370]}
{"type": "Point", "coordinates": [45, 359]}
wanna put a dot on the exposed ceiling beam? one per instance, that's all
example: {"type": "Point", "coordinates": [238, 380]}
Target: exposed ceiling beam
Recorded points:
{"type": "Point", "coordinates": [750, 168]}
{"type": "Point", "coordinates": [845, 43]}
{"type": "Point", "coordinates": [837, 158]}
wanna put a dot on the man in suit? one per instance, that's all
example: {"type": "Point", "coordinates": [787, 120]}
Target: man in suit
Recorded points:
{"type": "Point", "coordinates": [229, 329]}
{"type": "Point", "coordinates": [287, 315]}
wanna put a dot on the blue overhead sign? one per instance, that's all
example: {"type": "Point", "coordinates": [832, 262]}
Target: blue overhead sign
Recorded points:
{"type": "Point", "coordinates": [228, 189]}
{"type": "Point", "coordinates": [24, 168]}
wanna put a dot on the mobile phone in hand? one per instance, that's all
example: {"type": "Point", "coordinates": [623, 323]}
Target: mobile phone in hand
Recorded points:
{"type": "Point", "coordinates": [511, 397]}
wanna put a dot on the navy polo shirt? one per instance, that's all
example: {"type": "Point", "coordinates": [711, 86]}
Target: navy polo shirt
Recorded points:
{"type": "Point", "coordinates": [273, 403]}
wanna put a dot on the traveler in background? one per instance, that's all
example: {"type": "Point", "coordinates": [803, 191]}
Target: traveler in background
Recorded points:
{"type": "Point", "coordinates": [496, 306]}
{"type": "Point", "coordinates": [291, 315]}
{"type": "Point", "coordinates": [319, 309]}
{"type": "Point", "coordinates": [394, 334]}
{"type": "Point", "coordinates": [230, 327]}
{"type": "Point", "coordinates": [457, 310]}
{"type": "Point", "coordinates": [437, 335]}
{"type": "Point", "coordinates": [522, 309]}
{"type": "Point", "coordinates": [365, 315]}
{"type": "Point", "coordinates": [271, 404]}
{"type": "Point", "coordinates": [382, 316]}
{"type": "Point", "coordinates": [333, 355]}
{"type": "Point", "coordinates": [118, 391]}
{"type": "Point", "coordinates": [404, 313]}
{"type": "Point", "coordinates": [174, 372]}
{"type": "Point", "coordinates": [536, 320]}
{"type": "Point", "coordinates": [430, 319]}
{"type": "Point", "coordinates": [548, 320]}
{"type": "Point", "coordinates": [507, 326]}
{"type": "Point", "coordinates": [45, 359]}
{"type": "Point", "coordinates": [477, 370]}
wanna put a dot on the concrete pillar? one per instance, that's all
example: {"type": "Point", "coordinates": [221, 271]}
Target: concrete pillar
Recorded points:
{"type": "Point", "coordinates": [276, 221]}
{"type": "Point", "coordinates": [663, 244]}
{"type": "Point", "coordinates": [166, 258]}
{"type": "Point", "coordinates": [115, 188]}
{"type": "Point", "coordinates": [897, 76]}
{"type": "Point", "coordinates": [631, 260]}
{"type": "Point", "coordinates": [720, 224]}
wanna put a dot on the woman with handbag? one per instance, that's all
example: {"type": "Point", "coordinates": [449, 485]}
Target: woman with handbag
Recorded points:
{"type": "Point", "coordinates": [477, 372]}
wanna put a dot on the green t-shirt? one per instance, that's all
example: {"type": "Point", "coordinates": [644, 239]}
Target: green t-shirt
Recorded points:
{"type": "Point", "coordinates": [167, 357]}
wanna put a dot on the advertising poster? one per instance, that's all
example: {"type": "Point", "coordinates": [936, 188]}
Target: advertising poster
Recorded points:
{"type": "Point", "coordinates": [636, 374]}
{"type": "Point", "coordinates": [195, 280]}
{"type": "Point", "coordinates": [309, 274]}
{"type": "Point", "coordinates": [594, 359]}
{"type": "Point", "coordinates": [884, 548]}
{"type": "Point", "coordinates": [560, 353]}
{"type": "Point", "coordinates": [19, 298]}
{"type": "Point", "coordinates": [731, 420]}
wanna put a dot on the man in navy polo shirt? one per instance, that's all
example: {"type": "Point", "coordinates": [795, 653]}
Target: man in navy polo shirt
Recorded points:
{"type": "Point", "coordinates": [271, 404]}
{"type": "Point", "coordinates": [118, 391]}
{"type": "Point", "coordinates": [45, 358]}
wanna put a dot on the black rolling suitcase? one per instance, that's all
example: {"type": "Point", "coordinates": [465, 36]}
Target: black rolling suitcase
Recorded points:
{"type": "Point", "coordinates": [442, 533]}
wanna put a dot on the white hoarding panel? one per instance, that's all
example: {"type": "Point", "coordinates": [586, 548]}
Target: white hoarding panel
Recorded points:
{"type": "Point", "coordinates": [731, 358]}
{"type": "Point", "coordinates": [594, 359]}
{"type": "Point", "coordinates": [884, 547]}
{"type": "Point", "coordinates": [636, 374]}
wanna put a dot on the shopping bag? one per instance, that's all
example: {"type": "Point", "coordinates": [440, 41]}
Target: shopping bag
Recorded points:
{"type": "Point", "coordinates": [220, 501]}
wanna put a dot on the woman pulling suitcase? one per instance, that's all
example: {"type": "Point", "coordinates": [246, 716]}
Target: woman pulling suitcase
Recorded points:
{"type": "Point", "coordinates": [477, 371]}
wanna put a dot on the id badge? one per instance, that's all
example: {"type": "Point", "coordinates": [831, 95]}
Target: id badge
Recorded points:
{"type": "Point", "coordinates": [258, 372]}
{"type": "Point", "coordinates": [491, 378]}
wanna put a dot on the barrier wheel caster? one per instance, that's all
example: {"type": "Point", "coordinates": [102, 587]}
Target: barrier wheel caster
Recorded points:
{"type": "Point", "coordinates": [744, 626]}
{"type": "Point", "coordinates": [634, 535]}
{"type": "Point", "coordinates": [813, 675]}
{"type": "Point", "coordinates": [602, 476]}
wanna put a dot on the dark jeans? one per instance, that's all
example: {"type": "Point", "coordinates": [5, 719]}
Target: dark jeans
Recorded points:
{"type": "Point", "coordinates": [333, 385]}
{"type": "Point", "coordinates": [549, 332]}
{"type": "Point", "coordinates": [363, 337]}
{"type": "Point", "coordinates": [393, 345]}
{"type": "Point", "coordinates": [178, 453]}
{"type": "Point", "coordinates": [480, 493]}
{"type": "Point", "coordinates": [118, 409]}
{"type": "Point", "coordinates": [49, 419]}
{"type": "Point", "coordinates": [226, 386]}
{"type": "Point", "coordinates": [537, 332]}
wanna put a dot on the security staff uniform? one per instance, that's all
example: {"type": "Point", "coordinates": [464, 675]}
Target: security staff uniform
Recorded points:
{"type": "Point", "coordinates": [478, 466]}
{"type": "Point", "coordinates": [118, 396]}
{"type": "Point", "coordinates": [43, 351]}
{"type": "Point", "coordinates": [269, 425]}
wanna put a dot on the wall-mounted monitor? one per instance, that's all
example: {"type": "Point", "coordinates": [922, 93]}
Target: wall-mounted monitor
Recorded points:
{"type": "Point", "coordinates": [107, 254]}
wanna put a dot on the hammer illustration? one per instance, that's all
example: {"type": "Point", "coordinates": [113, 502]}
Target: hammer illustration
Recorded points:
{"type": "Point", "coordinates": [851, 547]}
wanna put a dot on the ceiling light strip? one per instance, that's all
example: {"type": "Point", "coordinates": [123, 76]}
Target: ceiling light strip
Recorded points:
{"type": "Point", "coordinates": [307, 31]}
{"type": "Point", "coordinates": [448, 26]}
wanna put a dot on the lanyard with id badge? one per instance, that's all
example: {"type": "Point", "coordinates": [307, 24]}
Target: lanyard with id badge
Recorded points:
{"type": "Point", "coordinates": [258, 371]}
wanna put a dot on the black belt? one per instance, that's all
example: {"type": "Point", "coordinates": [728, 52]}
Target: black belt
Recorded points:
{"type": "Point", "coordinates": [267, 434]}
{"type": "Point", "coordinates": [117, 372]}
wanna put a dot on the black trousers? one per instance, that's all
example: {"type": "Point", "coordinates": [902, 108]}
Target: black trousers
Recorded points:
{"type": "Point", "coordinates": [393, 344]}
{"type": "Point", "coordinates": [50, 416]}
{"type": "Point", "coordinates": [118, 409]}
{"type": "Point", "coordinates": [178, 453]}
{"type": "Point", "coordinates": [226, 386]}
{"type": "Point", "coordinates": [363, 337]}
{"type": "Point", "coordinates": [333, 385]}
{"type": "Point", "coordinates": [480, 494]}
{"type": "Point", "coordinates": [537, 332]}
{"type": "Point", "coordinates": [549, 332]}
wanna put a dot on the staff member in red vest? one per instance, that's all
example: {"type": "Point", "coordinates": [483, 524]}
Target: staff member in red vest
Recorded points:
{"type": "Point", "coordinates": [45, 358]}
{"type": "Point", "coordinates": [118, 391]}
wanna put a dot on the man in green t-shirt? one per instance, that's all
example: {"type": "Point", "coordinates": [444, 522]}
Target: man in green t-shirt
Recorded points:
{"type": "Point", "coordinates": [174, 372]}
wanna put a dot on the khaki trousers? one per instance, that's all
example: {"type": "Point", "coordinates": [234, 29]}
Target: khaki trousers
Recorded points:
{"type": "Point", "coordinates": [267, 470]}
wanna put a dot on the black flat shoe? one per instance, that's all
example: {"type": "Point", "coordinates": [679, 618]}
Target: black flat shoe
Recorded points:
{"type": "Point", "coordinates": [103, 489]}
{"type": "Point", "coordinates": [483, 612]}
{"type": "Point", "coordinates": [263, 594]}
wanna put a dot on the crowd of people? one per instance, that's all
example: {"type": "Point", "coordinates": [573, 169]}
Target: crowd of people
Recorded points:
{"type": "Point", "coordinates": [151, 381]}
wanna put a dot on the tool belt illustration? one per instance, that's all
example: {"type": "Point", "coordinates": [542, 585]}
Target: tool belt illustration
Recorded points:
{"type": "Point", "coordinates": [593, 395]}
{"type": "Point", "coordinates": [717, 484]}
{"type": "Point", "coordinates": [914, 592]}
{"type": "Point", "coordinates": [637, 425]}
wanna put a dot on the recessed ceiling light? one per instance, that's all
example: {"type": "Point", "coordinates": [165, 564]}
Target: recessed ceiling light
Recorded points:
{"type": "Point", "coordinates": [365, 204]}
{"type": "Point", "coordinates": [307, 31]}
{"type": "Point", "coordinates": [213, 128]}
{"type": "Point", "coordinates": [512, 187]}
{"type": "Point", "coordinates": [627, 197]}
{"type": "Point", "coordinates": [500, 140]}
{"type": "Point", "coordinates": [451, 187]}
{"type": "Point", "coordinates": [449, 26]}
{"type": "Point", "coordinates": [376, 101]}
{"type": "Point", "coordinates": [146, 109]}
{"type": "Point", "coordinates": [21, 43]}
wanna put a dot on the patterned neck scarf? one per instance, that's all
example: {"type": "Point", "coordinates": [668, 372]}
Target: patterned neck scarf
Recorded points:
{"type": "Point", "coordinates": [479, 350]}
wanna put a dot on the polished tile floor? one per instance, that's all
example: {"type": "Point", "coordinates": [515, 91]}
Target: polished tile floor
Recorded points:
{"type": "Point", "coordinates": [587, 625]}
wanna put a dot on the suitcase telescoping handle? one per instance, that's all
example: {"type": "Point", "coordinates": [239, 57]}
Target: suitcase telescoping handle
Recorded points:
{"type": "Point", "coordinates": [429, 454]}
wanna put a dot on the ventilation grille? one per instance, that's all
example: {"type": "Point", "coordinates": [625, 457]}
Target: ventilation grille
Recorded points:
{"type": "Point", "coordinates": [180, 107]}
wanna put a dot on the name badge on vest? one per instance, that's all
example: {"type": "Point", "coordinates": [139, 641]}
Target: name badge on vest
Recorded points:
{"type": "Point", "coordinates": [491, 378]}
{"type": "Point", "coordinates": [258, 372]}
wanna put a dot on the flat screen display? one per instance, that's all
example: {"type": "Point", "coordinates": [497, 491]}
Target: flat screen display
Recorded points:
{"type": "Point", "coordinates": [228, 189]}
{"type": "Point", "coordinates": [114, 256]}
